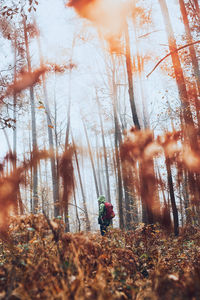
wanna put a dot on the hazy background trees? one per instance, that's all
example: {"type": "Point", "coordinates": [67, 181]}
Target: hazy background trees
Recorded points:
{"type": "Point", "coordinates": [94, 89]}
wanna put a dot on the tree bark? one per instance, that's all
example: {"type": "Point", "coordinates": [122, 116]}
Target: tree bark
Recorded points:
{"type": "Point", "coordinates": [193, 56]}
{"type": "Point", "coordinates": [130, 79]}
{"type": "Point", "coordinates": [34, 135]}
{"type": "Point", "coordinates": [87, 221]}
{"type": "Point", "coordinates": [104, 151]}
{"type": "Point", "coordinates": [146, 208]}
{"type": "Point", "coordinates": [172, 197]}
{"type": "Point", "coordinates": [117, 139]}
{"type": "Point", "coordinates": [197, 10]}
{"type": "Point", "coordinates": [180, 80]}
{"type": "Point", "coordinates": [51, 143]}
{"type": "Point", "coordinates": [190, 40]}
{"type": "Point", "coordinates": [92, 161]}
{"type": "Point", "coordinates": [76, 208]}
{"type": "Point", "coordinates": [14, 152]}
{"type": "Point", "coordinates": [99, 168]}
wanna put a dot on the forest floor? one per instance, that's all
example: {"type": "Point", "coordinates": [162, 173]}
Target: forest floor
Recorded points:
{"type": "Point", "coordinates": [39, 261]}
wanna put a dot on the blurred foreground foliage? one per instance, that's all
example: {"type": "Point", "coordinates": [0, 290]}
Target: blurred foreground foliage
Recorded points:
{"type": "Point", "coordinates": [39, 261]}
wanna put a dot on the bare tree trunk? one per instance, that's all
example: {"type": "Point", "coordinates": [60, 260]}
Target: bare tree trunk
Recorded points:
{"type": "Point", "coordinates": [193, 56]}
{"type": "Point", "coordinates": [130, 79]}
{"type": "Point", "coordinates": [51, 147]}
{"type": "Point", "coordinates": [172, 196]}
{"type": "Point", "coordinates": [66, 218]}
{"type": "Point", "coordinates": [114, 163]}
{"type": "Point", "coordinates": [26, 180]}
{"type": "Point", "coordinates": [197, 10]}
{"type": "Point", "coordinates": [34, 135]}
{"type": "Point", "coordinates": [187, 115]}
{"type": "Point", "coordinates": [7, 140]}
{"type": "Point", "coordinates": [66, 208]}
{"type": "Point", "coordinates": [190, 40]}
{"type": "Point", "coordinates": [76, 208]}
{"type": "Point", "coordinates": [147, 210]}
{"type": "Point", "coordinates": [118, 163]}
{"type": "Point", "coordinates": [105, 151]}
{"type": "Point", "coordinates": [82, 190]}
{"type": "Point", "coordinates": [14, 152]}
{"type": "Point", "coordinates": [181, 205]}
{"type": "Point", "coordinates": [56, 147]}
{"type": "Point", "coordinates": [103, 180]}
{"type": "Point", "coordinates": [140, 71]}
{"type": "Point", "coordinates": [31, 175]}
{"type": "Point", "coordinates": [47, 211]}
{"type": "Point", "coordinates": [147, 184]}
{"type": "Point", "coordinates": [51, 143]}
{"type": "Point", "coordinates": [128, 200]}
{"type": "Point", "coordinates": [14, 106]}
{"type": "Point", "coordinates": [41, 187]}
{"type": "Point", "coordinates": [92, 161]}
{"type": "Point", "coordinates": [99, 168]}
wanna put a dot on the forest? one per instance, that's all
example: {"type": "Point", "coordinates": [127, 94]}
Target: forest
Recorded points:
{"type": "Point", "coordinates": [100, 112]}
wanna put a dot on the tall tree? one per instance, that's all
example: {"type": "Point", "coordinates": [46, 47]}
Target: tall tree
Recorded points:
{"type": "Point", "coordinates": [68, 130]}
{"type": "Point", "coordinates": [117, 139]}
{"type": "Point", "coordinates": [87, 221]}
{"type": "Point", "coordinates": [197, 10]}
{"type": "Point", "coordinates": [180, 80]}
{"type": "Point", "coordinates": [76, 209]}
{"type": "Point", "coordinates": [193, 55]}
{"type": "Point", "coordinates": [104, 149]}
{"type": "Point", "coordinates": [147, 210]}
{"type": "Point", "coordinates": [189, 41]}
{"type": "Point", "coordinates": [14, 152]}
{"type": "Point", "coordinates": [99, 168]}
{"type": "Point", "coordinates": [51, 142]}
{"type": "Point", "coordinates": [130, 78]}
{"type": "Point", "coordinates": [92, 161]}
{"type": "Point", "coordinates": [172, 197]}
{"type": "Point", "coordinates": [33, 118]}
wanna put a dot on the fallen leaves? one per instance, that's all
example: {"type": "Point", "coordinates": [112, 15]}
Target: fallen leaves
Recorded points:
{"type": "Point", "coordinates": [146, 263]}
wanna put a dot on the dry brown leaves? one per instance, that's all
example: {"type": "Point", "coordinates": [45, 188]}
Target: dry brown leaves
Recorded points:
{"type": "Point", "coordinates": [122, 265]}
{"type": "Point", "coordinates": [67, 174]}
{"type": "Point", "coordinates": [24, 80]}
{"type": "Point", "coordinates": [9, 185]}
{"type": "Point", "coordinates": [142, 146]}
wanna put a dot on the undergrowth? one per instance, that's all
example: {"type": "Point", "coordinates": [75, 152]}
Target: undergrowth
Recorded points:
{"type": "Point", "coordinates": [39, 261]}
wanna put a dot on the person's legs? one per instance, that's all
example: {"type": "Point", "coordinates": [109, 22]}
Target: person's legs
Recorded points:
{"type": "Point", "coordinates": [103, 229]}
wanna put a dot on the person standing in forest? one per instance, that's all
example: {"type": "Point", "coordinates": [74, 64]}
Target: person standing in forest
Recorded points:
{"type": "Point", "coordinates": [106, 214]}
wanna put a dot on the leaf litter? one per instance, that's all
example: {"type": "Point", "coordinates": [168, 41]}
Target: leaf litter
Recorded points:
{"type": "Point", "coordinates": [147, 263]}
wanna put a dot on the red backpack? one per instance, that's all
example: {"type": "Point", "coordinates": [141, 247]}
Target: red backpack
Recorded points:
{"type": "Point", "coordinates": [109, 213]}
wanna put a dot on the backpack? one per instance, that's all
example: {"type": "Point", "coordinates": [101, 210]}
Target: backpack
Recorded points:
{"type": "Point", "coordinates": [109, 213]}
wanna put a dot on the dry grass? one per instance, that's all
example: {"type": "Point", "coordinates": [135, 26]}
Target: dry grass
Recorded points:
{"type": "Point", "coordinates": [144, 264]}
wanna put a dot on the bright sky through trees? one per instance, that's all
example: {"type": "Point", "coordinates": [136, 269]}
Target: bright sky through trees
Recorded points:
{"type": "Point", "coordinates": [60, 25]}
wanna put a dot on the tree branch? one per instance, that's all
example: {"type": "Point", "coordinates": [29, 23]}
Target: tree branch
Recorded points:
{"type": "Point", "coordinates": [148, 33]}
{"type": "Point", "coordinates": [81, 208]}
{"type": "Point", "coordinates": [170, 53]}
